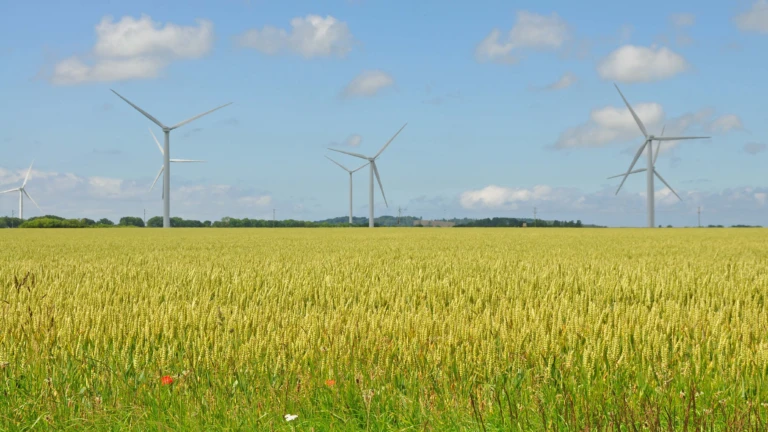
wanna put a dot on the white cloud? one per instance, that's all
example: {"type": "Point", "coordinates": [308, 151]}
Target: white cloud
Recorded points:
{"type": "Point", "coordinates": [368, 83]}
{"type": "Point", "coordinates": [632, 63]}
{"type": "Point", "coordinates": [310, 36]}
{"type": "Point", "coordinates": [726, 123]}
{"type": "Point", "coordinates": [353, 140]}
{"type": "Point", "coordinates": [754, 20]}
{"type": "Point", "coordinates": [104, 187]}
{"type": "Point", "coordinates": [611, 125]}
{"type": "Point", "coordinates": [683, 19]}
{"type": "Point", "coordinates": [71, 195]}
{"type": "Point", "coordinates": [499, 197]}
{"type": "Point", "coordinates": [531, 31]}
{"type": "Point", "coordinates": [754, 148]}
{"type": "Point", "coordinates": [568, 79]}
{"type": "Point", "coordinates": [727, 206]}
{"type": "Point", "coordinates": [134, 49]}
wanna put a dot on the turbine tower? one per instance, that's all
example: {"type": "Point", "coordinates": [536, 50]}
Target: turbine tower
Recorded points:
{"type": "Point", "coordinates": [22, 191]}
{"type": "Point", "coordinates": [166, 154]}
{"type": "Point", "coordinates": [373, 171]}
{"type": "Point", "coordinates": [650, 170]}
{"type": "Point", "coordinates": [162, 168]}
{"type": "Point", "coordinates": [350, 183]}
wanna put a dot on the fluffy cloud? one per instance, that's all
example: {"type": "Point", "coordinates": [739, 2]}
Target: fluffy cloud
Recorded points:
{"type": "Point", "coordinates": [530, 31]}
{"type": "Point", "coordinates": [368, 84]}
{"type": "Point", "coordinates": [728, 206]}
{"type": "Point", "coordinates": [683, 19]}
{"type": "Point", "coordinates": [754, 148]}
{"type": "Point", "coordinates": [71, 195]}
{"type": "Point", "coordinates": [726, 123]}
{"type": "Point", "coordinates": [754, 20]}
{"type": "Point", "coordinates": [353, 140]}
{"type": "Point", "coordinates": [568, 79]}
{"type": "Point", "coordinates": [611, 125]}
{"type": "Point", "coordinates": [134, 49]}
{"type": "Point", "coordinates": [498, 197]}
{"type": "Point", "coordinates": [310, 36]}
{"type": "Point", "coordinates": [632, 63]}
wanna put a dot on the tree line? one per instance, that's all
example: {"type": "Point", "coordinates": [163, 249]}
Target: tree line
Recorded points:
{"type": "Point", "coordinates": [53, 221]}
{"type": "Point", "coordinates": [514, 222]}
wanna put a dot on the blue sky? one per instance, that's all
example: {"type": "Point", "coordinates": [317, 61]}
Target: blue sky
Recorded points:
{"type": "Point", "coordinates": [510, 106]}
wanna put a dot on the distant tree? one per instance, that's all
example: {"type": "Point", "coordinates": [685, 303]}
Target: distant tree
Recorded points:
{"type": "Point", "coordinates": [88, 222]}
{"type": "Point", "coordinates": [46, 217]}
{"type": "Point", "coordinates": [207, 223]}
{"type": "Point", "coordinates": [155, 222]}
{"type": "Point", "coordinates": [43, 222]}
{"type": "Point", "coordinates": [105, 221]}
{"type": "Point", "coordinates": [131, 221]}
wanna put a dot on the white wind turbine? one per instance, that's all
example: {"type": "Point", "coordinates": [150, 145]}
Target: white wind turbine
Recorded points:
{"type": "Point", "coordinates": [162, 168]}
{"type": "Point", "coordinates": [350, 183]}
{"type": "Point", "coordinates": [166, 154]}
{"type": "Point", "coordinates": [373, 170]}
{"type": "Point", "coordinates": [650, 170]}
{"type": "Point", "coordinates": [22, 191]}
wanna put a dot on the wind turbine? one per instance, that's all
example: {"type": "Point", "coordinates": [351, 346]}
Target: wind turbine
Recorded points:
{"type": "Point", "coordinates": [350, 183]}
{"type": "Point", "coordinates": [650, 170]}
{"type": "Point", "coordinates": [166, 154]}
{"type": "Point", "coordinates": [373, 170]}
{"type": "Point", "coordinates": [22, 191]}
{"type": "Point", "coordinates": [162, 168]}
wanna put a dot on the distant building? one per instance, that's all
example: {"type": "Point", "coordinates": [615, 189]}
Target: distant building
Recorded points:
{"type": "Point", "coordinates": [525, 224]}
{"type": "Point", "coordinates": [433, 223]}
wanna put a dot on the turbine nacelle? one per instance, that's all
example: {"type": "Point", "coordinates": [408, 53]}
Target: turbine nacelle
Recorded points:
{"type": "Point", "coordinates": [374, 172]}
{"type": "Point", "coordinates": [166, 160]}
{"type": "Point", "coordinates": [651, 168]}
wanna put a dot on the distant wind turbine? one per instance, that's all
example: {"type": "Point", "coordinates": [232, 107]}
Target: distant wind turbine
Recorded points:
{"type": "Point", "coordinates": [650, 170]}
{"type": "Point", "coordinates": [373, 170]}
{"type": "Point", "coordinates": [166, 154]}
{"type": "Point", "coordinates": [23, 191]}
{"type": "Point", "coordinates": [162, 168]}
{"type": "Point", "coordinates": [350, 183]}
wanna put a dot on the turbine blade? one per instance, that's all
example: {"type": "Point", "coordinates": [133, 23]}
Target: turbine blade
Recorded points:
{"type": "Point", "coordinates": [186, 160]}
{"type": "Point", "coordinates": [146, 114]}
{"type": "Point", "coordinates": [631, 172]}
{"type": "Point", "coordinates": [349, 153]}
{"type": "Point", "coordinates": [637, 119]}
{"type": "Point", "coordinates": [158, 142]}
{"type": "Point", "coordinates": [26, 178]}
{"type": "Point", "coordinates": [634, 161]}
{"type": "Point", "coordinates": [658, 146]}
{"type": "Point", "coordinates": [666, 184]}
{"type": "Point", "coordinates": [361, 167]}
{"type": "Point", "coordinates": [390, 140]}
{"type": "Point", "coordinates": [342, 166]}
{"type": "Point", "coordinates": [33, 201]}
{"type": "Point", "coordinates": [198, 116]}
{"type": "Point", "coordinates": [10, 190]}
{"type": "Point", "coordinates": [156, 178]}
{"type": "Point", "coordinates": [680, 138]}
{"type": "Point", "coordinates": [376, 171]}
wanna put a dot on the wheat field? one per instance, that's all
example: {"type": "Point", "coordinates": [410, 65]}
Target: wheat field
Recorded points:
{"type": "Point", "coordinates": [387, 329]}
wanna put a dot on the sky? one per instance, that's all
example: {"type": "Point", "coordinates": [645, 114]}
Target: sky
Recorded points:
{"type": "Point", "coordinates": [509, 106]}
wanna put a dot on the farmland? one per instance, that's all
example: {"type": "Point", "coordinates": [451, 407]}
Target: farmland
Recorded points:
{"type": "Point", "coordinates": [442, 329]}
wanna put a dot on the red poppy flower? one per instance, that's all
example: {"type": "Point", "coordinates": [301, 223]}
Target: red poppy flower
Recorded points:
{"type": "Point", "coordinates": [330, 383]}
{"type": "Point", "coordinates": [166, 380]}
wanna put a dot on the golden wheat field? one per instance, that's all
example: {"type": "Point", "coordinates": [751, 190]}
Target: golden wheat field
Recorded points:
{"type": "Point", "coordinates": [387, 329]}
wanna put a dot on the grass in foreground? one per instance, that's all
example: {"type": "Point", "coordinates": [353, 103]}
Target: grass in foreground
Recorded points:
{"type": "Point", "coordinates": [398, 329]}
